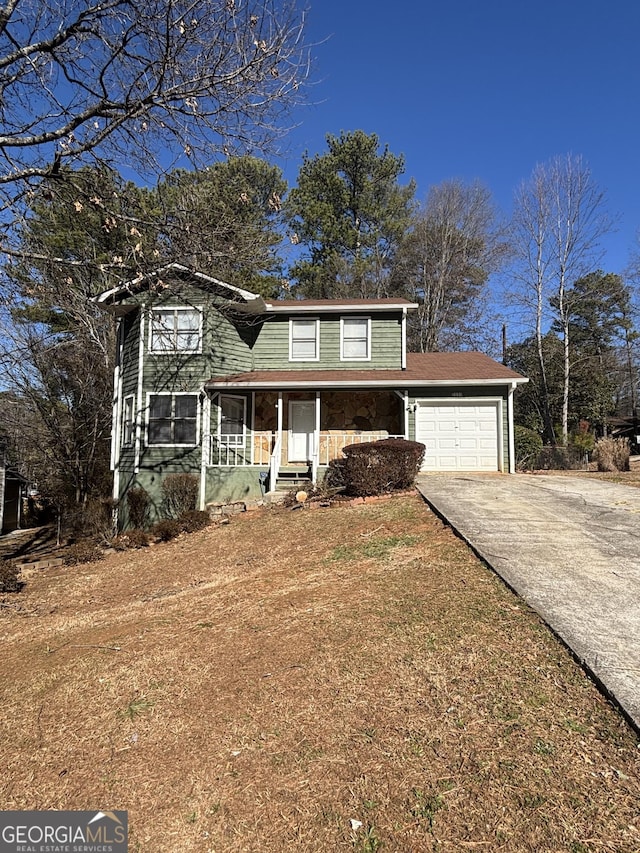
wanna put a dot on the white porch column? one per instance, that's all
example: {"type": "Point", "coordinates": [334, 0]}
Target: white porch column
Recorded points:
{"type": "Point", "coordinates": [280, 420]}
{"type": "Point", "coordinates": [316, 442]}
{"type": "Point", "coordinates": [253, 426]}
{"type": "Point", "coordinates": [406, 415]}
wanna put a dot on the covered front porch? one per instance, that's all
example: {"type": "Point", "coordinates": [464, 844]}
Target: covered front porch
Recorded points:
{"type": "Point", "coordinates": [296, 431]}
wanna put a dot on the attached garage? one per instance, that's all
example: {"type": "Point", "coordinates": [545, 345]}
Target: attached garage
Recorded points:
{"type": "Point", "coordinates": [460, 435]}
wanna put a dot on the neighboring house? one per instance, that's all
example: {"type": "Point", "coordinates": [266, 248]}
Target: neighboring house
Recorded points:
{"type": "Point", "coordinates": [213, 380]}
{"type": "Point", "coordinates": [12, 491]}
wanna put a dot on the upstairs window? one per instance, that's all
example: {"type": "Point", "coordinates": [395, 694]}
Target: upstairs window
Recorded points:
{"type": "Point", "coordinates": [173, 419]}
{"type": "Point", "coordinates": [175, 330]}
{"type": "Point", "coordinates": [355, 338]}
{"type": "Point", "coordinates": [303, 340]}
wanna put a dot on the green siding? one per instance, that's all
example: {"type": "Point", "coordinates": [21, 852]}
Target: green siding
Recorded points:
{"type": "Point", "coordinates": [271, 351]}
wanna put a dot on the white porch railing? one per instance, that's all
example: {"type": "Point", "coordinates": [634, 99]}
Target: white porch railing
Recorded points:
{"type": "Point", "coordinates": [255, 448]}
{"type": "Point", "coordinates": [264, 448]}
{"type": "Point", "coordinates": [331, 443]}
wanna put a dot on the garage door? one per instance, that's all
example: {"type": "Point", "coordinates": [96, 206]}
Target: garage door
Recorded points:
{"type": "Point", "coordinates": [459, 436]}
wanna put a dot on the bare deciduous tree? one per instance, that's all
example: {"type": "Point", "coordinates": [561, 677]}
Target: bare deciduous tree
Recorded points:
{"type": "Point", "coordinates": [444, 262]}
{"type": "Point", "coordinates": [558, 222]}
{"type": "Point", "coordinates": [141, 85]}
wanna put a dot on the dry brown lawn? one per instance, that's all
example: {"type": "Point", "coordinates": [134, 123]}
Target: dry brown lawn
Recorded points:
{"type": "Point", "coordinates": [350, 678]}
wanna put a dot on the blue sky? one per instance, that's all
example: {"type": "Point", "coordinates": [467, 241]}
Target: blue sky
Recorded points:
{"type": "Point", "coordinates": [484, 90]}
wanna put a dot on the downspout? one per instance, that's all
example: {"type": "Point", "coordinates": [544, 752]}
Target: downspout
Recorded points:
{"type": "Point", "coordinates": [143, 313]}
{"type": "Point", "coordinates": [206, 443]}
{"type": "Point", "coordinates": [403, 327]}
{"type": "Point", "coordinates": [512, 447]}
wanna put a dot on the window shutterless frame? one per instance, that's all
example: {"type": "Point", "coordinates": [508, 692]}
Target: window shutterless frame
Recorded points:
{"type": "Point", "coordinates": [175, 329]}
{"type": "Point", "coordinates": [173, 419]}
{"type": "Point", "coordinates": [355, 338]}
{"type": "Point", "coordinates": [304, 339]}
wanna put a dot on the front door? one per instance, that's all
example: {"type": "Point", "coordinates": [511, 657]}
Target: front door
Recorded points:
{"type": "Point", "coordinates": [302, 424]}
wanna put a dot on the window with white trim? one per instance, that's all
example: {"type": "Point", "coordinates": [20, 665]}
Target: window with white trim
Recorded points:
{"type": "Point", "coordinates": [233, 416]}
{"type": "Point", "coordinates": [355, 338]}
{"type": "Point", "coordinates": [173, 419]}
{"type": "Point", "coordinates": [128, 421]}
{"type": "Point", "coordinates": [304, 335]}
{"type": "Point", "coordinates": [175, 330]}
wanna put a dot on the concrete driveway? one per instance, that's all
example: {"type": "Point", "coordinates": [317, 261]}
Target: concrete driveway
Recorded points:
{"type": "Point", "coordinates": [570, 547]}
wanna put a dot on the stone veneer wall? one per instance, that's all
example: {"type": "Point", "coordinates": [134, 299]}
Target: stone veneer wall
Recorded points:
{"type": "Point", "coordinates": [340, 411]}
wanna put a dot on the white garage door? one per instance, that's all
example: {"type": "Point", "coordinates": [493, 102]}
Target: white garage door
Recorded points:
{"type": "Point", "coordinates": [459, 436]}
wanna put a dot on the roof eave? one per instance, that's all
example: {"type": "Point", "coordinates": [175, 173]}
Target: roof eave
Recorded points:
{"type": "Point", "coordinates": [286, 385]}
{"type": "Point", "coordinates": [365, 307]}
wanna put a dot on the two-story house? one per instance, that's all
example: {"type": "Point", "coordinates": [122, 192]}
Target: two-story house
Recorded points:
{"type": "Point", "coordinates": [214, 380]}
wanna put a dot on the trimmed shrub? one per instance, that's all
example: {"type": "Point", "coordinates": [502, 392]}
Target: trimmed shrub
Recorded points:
{"type": "Point", "coordinates": [138, 504]}
{"type": "Point", "coordinates": [612, 454]}
{"type": "Point", "coordinates": [194, 519]}
{"type": "Point", "coordinates": [84, 551]}
{"type": "Point", "coordinates": [166, 529]}
{"type": "Point", "coordinates": [378, 467]}
{"type": "Point", "coordinates": [528, 445]}
{"type": "Point", "coordinates": [134, 538]}
{"type": "Point", "coordinates": [9, 577]}
{"type": "Point", "coordinates": [180, 493]}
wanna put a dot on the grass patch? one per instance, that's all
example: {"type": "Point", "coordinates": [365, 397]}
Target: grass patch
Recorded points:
{"type": "Point", "coordinates": [291, 676]}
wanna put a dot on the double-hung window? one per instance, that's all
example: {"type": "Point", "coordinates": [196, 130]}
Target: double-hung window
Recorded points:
{"type": "Point", "coordinates": [304, 337]}
{"type": "Point", "coordinates": [233, 413]}
{"type": "Point", "coordinates": [175, 330]}
{"type": "Point", "coordinates": [355, 339]}
{"type": "Point", "coordinates": [173, 419]}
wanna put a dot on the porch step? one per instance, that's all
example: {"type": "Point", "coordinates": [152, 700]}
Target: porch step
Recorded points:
{"type": "Point", "coordinates": [285, 484]}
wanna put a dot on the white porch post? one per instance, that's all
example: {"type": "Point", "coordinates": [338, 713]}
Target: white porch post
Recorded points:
{"type": "Point", "coordinates": [280, 417]}
{"type": "Point", "coordinates": [512, 447]}
{"type": "Point", "coordinates": [253, 426]}
{"type": "Point", "coordinates": [406, 415]}
{"type": "Point", "coordinates": [274, 467]}
{"type": "Point", "coordinates": [316, 442]}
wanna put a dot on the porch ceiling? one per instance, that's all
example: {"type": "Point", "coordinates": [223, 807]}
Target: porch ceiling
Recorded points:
{"type": "Point", "coordinates": [423, 369]}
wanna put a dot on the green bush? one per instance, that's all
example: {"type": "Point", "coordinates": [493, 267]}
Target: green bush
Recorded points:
{"type": "Point", "coordinates": [9, 577]}
{"type": "Point", "coordinates": [138, 504]}
{"type": "Point", "coordinates": [180, 494]}
{"type": "Point", "coordinates": [612, 454]}
{"type": "Point", "coordinates": [166, 529]}
{"type": "Point", "coordinates": [378, 467]}
{"type": "Point", "coordinates": [582, 438]}
{"type": "Point", "coordinates": [193, 520]}
{"type": "Point", "coordinates": [528, 445]}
